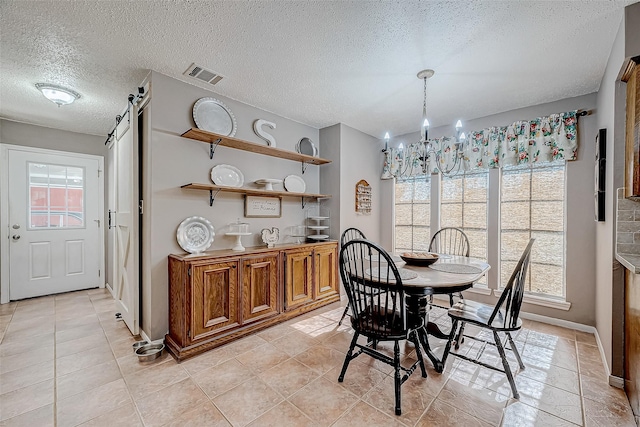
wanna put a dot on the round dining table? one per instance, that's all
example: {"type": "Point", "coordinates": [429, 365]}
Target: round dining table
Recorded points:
{"type": "Point", "coordinates": [450, 274]}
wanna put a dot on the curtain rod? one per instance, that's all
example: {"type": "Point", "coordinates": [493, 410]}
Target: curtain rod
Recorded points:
{"type": "Point", "coordinates": [132, 100]}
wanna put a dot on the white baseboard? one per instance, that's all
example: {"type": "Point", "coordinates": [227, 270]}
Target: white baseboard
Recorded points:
{"type": "Point", "coordinates": [613, 380]}
{"type": "Point", "coordinates": [145, 336]}
{"type": "Point", "coordinates": [559, 322]}
{"type": "Point", "coordinates": [616, 382]}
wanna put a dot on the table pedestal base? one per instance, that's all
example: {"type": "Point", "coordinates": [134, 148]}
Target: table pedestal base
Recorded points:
{"type": "Point", "coordinates": [418, 305]}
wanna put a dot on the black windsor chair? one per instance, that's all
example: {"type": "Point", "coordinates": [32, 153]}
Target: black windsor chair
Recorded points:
{"type": "Point", "coordinates": [348, 235]}
{"type": "Point", "coordinates": [450, 241]}
{"type": "Point", "coordinates": [377, 299]}
{"type": "Point", "coordinates": [504, 317]}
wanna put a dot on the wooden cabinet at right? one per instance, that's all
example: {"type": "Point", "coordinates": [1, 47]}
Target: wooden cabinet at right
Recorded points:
{"type": "Point", "coordinates": [310, 275]}
{"type": "Point", "coordinates": [326, 272]}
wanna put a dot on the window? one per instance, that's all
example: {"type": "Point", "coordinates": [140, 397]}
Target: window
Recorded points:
{"type": "Point", "coordinates": [532, 205]}
{"type": "Point", "coordinates": [463, 204]}
{"type": "Point", "coordinates": [412, 214]}
{"type": "Point", "coordinates": [56, 196]}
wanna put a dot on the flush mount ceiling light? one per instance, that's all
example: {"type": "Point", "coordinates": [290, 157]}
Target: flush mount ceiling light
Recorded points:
{"type": "Point", "coordinates": [57, 94]}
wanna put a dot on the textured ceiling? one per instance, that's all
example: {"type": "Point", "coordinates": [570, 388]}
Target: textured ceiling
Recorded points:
{"type": "Point", "coordinates": [317, 62]}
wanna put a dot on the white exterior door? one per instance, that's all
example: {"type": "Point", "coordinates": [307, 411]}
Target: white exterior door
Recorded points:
{"type": "Point", "coordinates": [125, 219]}
{"type": "Point", "coordinates": [54, 222]}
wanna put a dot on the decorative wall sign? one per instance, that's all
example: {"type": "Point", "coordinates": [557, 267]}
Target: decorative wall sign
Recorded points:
{"type": "Point", "coordinates": [257, 128]}
{"type": "Point", "coordinates": [262, 207]}
{"type": "Point", "coordinates": [363, 197]}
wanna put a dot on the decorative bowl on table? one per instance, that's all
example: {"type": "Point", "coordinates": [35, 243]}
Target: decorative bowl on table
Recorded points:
{"type": "Point", "coordinates": [419, 258]}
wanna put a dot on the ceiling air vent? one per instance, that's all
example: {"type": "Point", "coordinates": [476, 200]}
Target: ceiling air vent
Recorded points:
{"type": "Point", "coordinates": [202, 74]}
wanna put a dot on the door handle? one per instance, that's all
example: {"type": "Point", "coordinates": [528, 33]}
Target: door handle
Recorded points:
{"type": "Point", "coordinates": [16, 237]}
{"type": "Point", "coordinates": [111, 219]}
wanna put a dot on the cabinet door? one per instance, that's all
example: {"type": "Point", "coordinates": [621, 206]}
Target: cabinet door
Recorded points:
{"type": "Point", "coordinates": [214, 298]}
{"type": "Point", "coordinates": [298, 277]}
{"type": "Point", "coordinates": [326, 271]}
{"type": "Point", "coordinates": [259, 287]}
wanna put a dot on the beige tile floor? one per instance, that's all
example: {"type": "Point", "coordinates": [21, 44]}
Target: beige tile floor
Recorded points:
{"type": "Point", "coordinates": [66, 361]}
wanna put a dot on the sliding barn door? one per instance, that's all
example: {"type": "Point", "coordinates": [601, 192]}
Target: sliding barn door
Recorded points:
{"type": "Point", "coordinates": [124, 219]}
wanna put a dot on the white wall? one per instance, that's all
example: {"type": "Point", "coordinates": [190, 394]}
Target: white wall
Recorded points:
{"type": "Point", "coordinates": [330, 176]}
{"type": "Point", "coordinates": [609, 273]}
{"type": "Point", "coordinates": [355, 156]}
{"type": "Point", "coordinates": [174, 161]}
{"type": "Point", "coordinates": [25, 134]}
{"type": "Point", "coordinates": [580, 235]}
{"type": "Point", "coordinates": [360, 158]}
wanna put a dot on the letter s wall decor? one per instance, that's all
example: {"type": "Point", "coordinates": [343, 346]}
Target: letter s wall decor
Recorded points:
{"type": "Point", "coordinates": [257, 128]}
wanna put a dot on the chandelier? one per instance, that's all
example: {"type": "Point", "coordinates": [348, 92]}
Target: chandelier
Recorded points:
{"type": "Point", "coordinates": [425, 150]}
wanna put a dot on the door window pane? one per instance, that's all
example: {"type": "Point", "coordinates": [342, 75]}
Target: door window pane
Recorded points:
{"type": "Point", "coordinates": [56, 196]}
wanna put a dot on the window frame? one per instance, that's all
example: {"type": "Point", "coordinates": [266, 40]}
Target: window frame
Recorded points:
{"type": "Point", "coordinates": [531, 168]}
{"type": "Point", "coordinates": [494, 234]}
{"type": "Point", "coordinates": [413, 180]}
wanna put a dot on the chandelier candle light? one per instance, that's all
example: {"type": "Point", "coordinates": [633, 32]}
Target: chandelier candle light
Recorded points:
{"type": "Point", "coordinates": [443, 155]}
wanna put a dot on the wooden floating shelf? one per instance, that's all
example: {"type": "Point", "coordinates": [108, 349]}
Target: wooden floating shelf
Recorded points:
{"type": "Point", "coordinates": [253, 192]}
{"type": "Point", "coordinates": [239, 144]}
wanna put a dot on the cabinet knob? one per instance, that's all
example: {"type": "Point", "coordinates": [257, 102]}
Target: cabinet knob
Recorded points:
{"type": "Point", "coordinates": [233, 266]}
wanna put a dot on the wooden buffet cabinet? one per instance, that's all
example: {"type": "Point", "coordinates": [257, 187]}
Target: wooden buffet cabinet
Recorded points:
{"type": "Point", "coordinates": [219, 296]}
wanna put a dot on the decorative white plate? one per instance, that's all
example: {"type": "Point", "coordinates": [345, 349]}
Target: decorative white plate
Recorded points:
{"type": "Point", "coordinates": [227, 175]}
{"type": "Point", "coordinates": [318, 236]}
{"type": "Point", "coordinates": [212, 115]}
{"type": "Point", "coordinates": [195, 234]}
{"type": "Point", "coordinates": [295, 184]}
{"type": "Point", "coordinates": [318, 227]}
{"type": "Point", "coordinates": [268, 183]}
{"type": "Point", "coordinates": [306, 146]}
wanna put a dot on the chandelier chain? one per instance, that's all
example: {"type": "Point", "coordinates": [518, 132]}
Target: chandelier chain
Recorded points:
{"type": "Point", "coordinates": [424, 101]}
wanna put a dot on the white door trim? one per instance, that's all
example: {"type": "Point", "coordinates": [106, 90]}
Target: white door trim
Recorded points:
{"type": "Point", "coordinates": [4, 209]}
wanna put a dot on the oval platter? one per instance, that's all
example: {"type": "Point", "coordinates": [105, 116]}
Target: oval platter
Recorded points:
{"type": "Point", "coordinates": [227, 175]}
{"type": "Point", "coordinates": [294, 184]}
{"type": "Point", "coordinates": [212, 115]}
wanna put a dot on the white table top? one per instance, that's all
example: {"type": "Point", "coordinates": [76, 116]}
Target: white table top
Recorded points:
{"type": "Point", "coordinates": [428, 277]}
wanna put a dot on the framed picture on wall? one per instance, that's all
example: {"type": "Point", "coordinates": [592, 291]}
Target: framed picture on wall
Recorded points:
{"type": "Point", "coordinates": [262, 207]}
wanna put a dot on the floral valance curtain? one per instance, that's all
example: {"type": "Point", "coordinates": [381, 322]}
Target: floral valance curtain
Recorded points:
{"type": "Point", "coordinates": [544, 139]}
